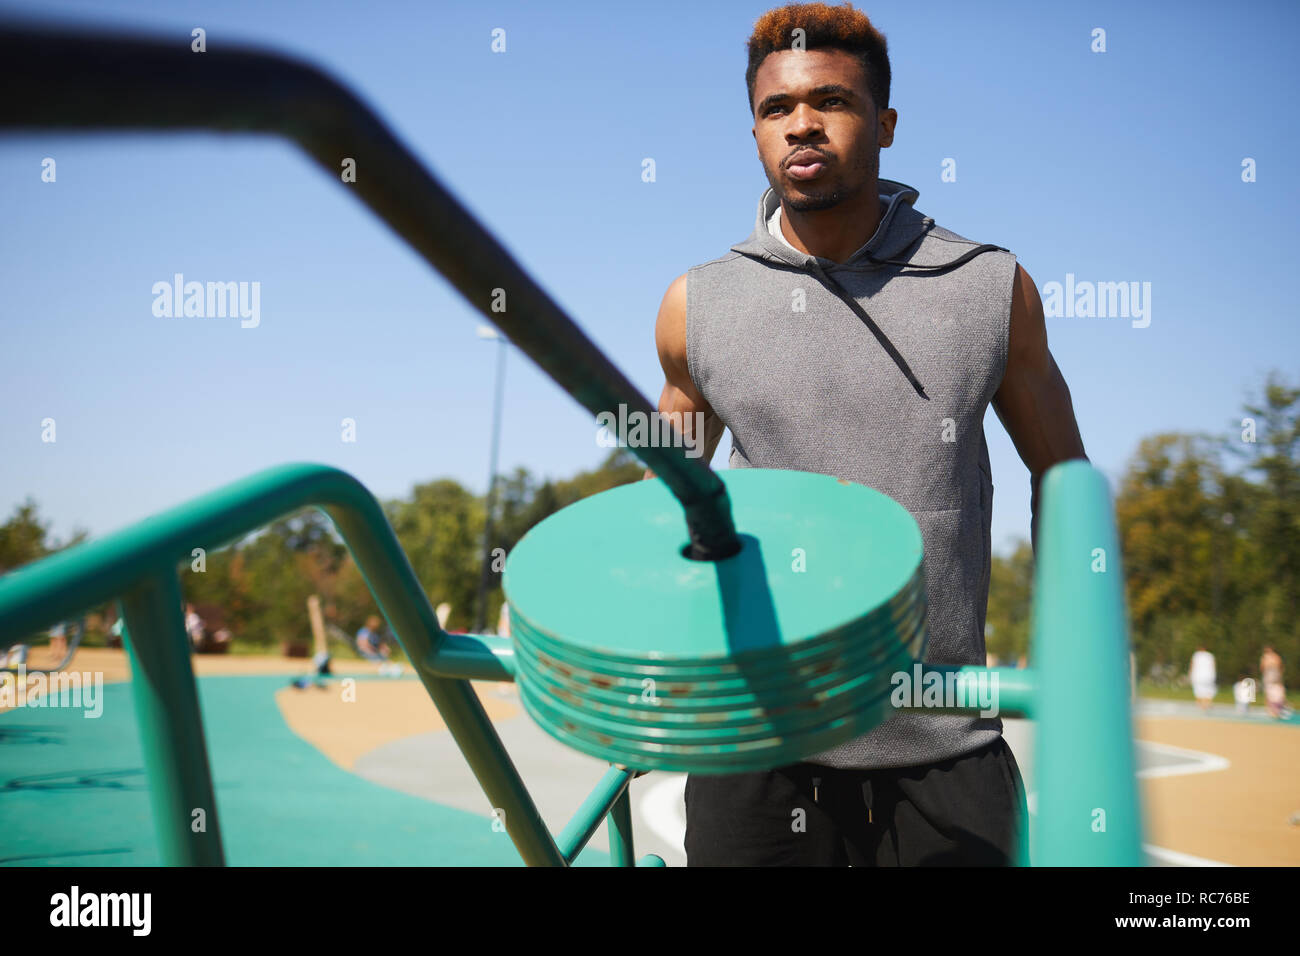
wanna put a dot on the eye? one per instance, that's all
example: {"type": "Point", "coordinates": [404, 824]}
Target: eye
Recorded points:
{"type": "Point", "coordinates": [833, 99]}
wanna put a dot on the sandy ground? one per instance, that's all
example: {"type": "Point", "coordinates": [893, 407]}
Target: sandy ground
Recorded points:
{"type": "Point", "coordinates": [1237, 815]}
{"type": "Point", "coordinates": [343, 723]}
{"type": "Point", "coordinates": [114, 666]}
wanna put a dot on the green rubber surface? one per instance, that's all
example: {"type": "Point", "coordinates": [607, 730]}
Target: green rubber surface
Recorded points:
{"type": "Point", "coordinates": [73, 793]}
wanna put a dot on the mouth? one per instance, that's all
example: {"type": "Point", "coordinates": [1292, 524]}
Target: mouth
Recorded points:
{"type": "Point", "coordinates": [805, 164]}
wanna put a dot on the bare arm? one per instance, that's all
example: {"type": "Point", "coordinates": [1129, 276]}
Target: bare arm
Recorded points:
{"type": "Point", "coordinates": [680, 397]}
{"type": "Point", "coordinates": [1033, 402]}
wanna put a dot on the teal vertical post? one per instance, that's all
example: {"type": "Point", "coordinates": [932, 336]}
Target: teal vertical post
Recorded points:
{"type": "Point", "coordinates": [171, 728]}
{"type": "Point", "coordinates": [1088, 811]}
{"type": "Point", "coordinates": [586, 821]}
{"type": "Point", "coordinates": [620, 831]}
{"type": "Point", "coordinates": [1022, 855]}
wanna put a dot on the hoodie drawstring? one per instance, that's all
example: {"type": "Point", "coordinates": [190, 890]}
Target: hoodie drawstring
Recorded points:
{"type": "Point", "coordinates": [962, 259]}
{"type": "Point", "coordinates": [861, 313]}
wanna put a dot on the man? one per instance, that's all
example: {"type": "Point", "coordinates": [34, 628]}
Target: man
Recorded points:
{"type": "Point", "coordinates": [370, 642]}
{"type": "Point", "coordinates": [850, 335]}
{"type": "Point", "coordinates": [1203, 678]}
{"type": "Point", "coordinates": [1270, 673]}
{"type": "Point", "coordinates": [194, 626]}
{"type": "Point", "coordinates": [58, 642]}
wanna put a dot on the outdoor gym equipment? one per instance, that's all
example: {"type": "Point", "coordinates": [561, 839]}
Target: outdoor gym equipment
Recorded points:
{"type": "Point", "coordinates": [752, 664]}
{"type": "Point", "coordinates": [73, 637]}
{"type": "Point", "coordinates": [642, 655]}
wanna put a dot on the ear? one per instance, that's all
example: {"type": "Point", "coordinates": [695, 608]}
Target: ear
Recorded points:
{"type": "Point", "coordinates": [886, 121]}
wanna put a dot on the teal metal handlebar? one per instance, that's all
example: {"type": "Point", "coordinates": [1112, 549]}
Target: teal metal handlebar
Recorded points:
{"type": "Point", "coordinates": [105, 81]}
{"type": "Point", "coordinates": [1085, 763]}
{"type": "Point", "coordinates": [138, 565]}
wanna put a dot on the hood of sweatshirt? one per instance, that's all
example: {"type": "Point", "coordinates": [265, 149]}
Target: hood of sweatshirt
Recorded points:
{"type": "Point", "coordinates": [901, 226]}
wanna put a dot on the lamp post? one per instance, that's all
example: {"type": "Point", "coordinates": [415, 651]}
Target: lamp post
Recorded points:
{"type": "Point", "coordinates": [480, 605]}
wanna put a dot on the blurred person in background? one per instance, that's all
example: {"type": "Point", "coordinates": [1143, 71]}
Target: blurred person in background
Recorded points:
{"type": "Point", "coordinates": [370, 643]}
{"type": "Point", "coordinates": [1243, 692]}
{"type": "Point", "coordinates": [1270, 671]}
{"type": "Point", "coordinates": [1203, 678]}
{"type": "Point", "coordinates": [193, 625]}
{"type": "Point", "coordinates": [504, 688]}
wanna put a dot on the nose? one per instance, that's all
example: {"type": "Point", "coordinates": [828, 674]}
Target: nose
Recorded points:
{"type": "Point", "coordinates": [804, 122]}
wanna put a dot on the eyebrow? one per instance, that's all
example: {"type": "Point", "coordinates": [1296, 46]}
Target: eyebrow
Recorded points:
{"type": "Point", "coordinates": [825, 88]}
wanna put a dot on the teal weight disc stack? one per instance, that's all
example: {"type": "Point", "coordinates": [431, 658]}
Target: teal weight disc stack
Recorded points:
{"type": "Point", "coordinates": [629, 651]}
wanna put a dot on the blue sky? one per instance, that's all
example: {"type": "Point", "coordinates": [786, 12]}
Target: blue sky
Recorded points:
{"type": "Point", "coordinates": [1116, 166]}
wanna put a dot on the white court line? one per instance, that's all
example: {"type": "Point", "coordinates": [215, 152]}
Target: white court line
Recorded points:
{"type": "Point", "coordinates": [1179, 859]}
{"type": "Point", "coordinates": [1202, 762]}
{"type": "Point", "coordinates": [662, 806]}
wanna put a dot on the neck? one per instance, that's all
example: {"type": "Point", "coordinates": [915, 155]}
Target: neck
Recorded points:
{"type": "Point", "coordinates": [838, 232]}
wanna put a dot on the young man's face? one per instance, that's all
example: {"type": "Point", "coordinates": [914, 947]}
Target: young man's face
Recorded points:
{"type": "Point", "coordinates": [816, 102]}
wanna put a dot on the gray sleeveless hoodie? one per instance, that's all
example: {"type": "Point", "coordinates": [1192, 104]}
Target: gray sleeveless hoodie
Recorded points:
{"type": "Point", "coordinates": [803, 383]}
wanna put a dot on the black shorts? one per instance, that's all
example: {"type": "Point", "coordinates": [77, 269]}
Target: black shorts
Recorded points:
{"type": "Point", "coordinates": [965, 811]}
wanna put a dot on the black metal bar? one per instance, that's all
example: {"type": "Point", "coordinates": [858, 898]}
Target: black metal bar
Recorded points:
{"type": "Point", "coordinates": [61, 78]}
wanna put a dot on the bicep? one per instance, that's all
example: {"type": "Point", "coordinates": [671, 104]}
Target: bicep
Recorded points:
{"type": "Point", "coordinates": [1033, 401]}
{"type": "Point", "coordinates": [680, 396]}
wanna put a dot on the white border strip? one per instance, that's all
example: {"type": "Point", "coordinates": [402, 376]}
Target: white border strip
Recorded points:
{"type": "Point", "coordinates": [1179, 859]}
{"type": "Point", "coordinates": [1202, 762]}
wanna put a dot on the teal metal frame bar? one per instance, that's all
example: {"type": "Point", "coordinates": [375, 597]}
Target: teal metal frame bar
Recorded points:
{"type": "Point", "coordinates": [1079, 692]}
{"type": "Point", "coordinates": [100, 80]}
{"type": "Point", "coordinates": [609, 792]}
{"type": "Point", "coordinates": [137, 566]}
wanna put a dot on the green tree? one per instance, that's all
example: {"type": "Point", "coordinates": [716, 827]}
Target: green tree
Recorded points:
{"type": "Point", "coordinates": [1269, 441]}
{"type": "Point", "coordinates": [441, 531]}
{"type": "Point", "coordinates": [523, 503]}
{"type": "Point", "coordinates": [1165, 510]}
{"type": "Point", "coordinates": [1011, 581]}
{"type": "Point", "coordinates": [22, 537]}
{"type": "Point", "coordinates": [1212, 557]}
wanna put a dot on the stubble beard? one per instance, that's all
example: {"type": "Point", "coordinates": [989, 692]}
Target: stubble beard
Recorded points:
{"type": "Point", "coordinates": [833, 194]}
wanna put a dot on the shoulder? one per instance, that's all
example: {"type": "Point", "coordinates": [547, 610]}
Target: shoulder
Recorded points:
{"type": "Point", "coordinates": [730, 256]}
{"type": "Point", "coordinates": [673, 307]}
{"type": "Point", "coordinates": [671, 320]}
{"type": "Point", "coordinates": [943, 245]}
{"type": "Point", "coordinates": [716, 273]}
{"type": "Point", "coordinates": [1028, 324]}
{"type": "Point", "coordinates": [670, 328]}
{"type": "Point", "coordinates": [697, 294]}
{"type": "Point", "coordinates": [993, 279]}
{"type": "Point", "coordinates": [934, 245]}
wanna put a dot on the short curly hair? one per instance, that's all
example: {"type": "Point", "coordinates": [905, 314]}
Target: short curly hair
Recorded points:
{"type": "Point", "coordinates": [825, 27]}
